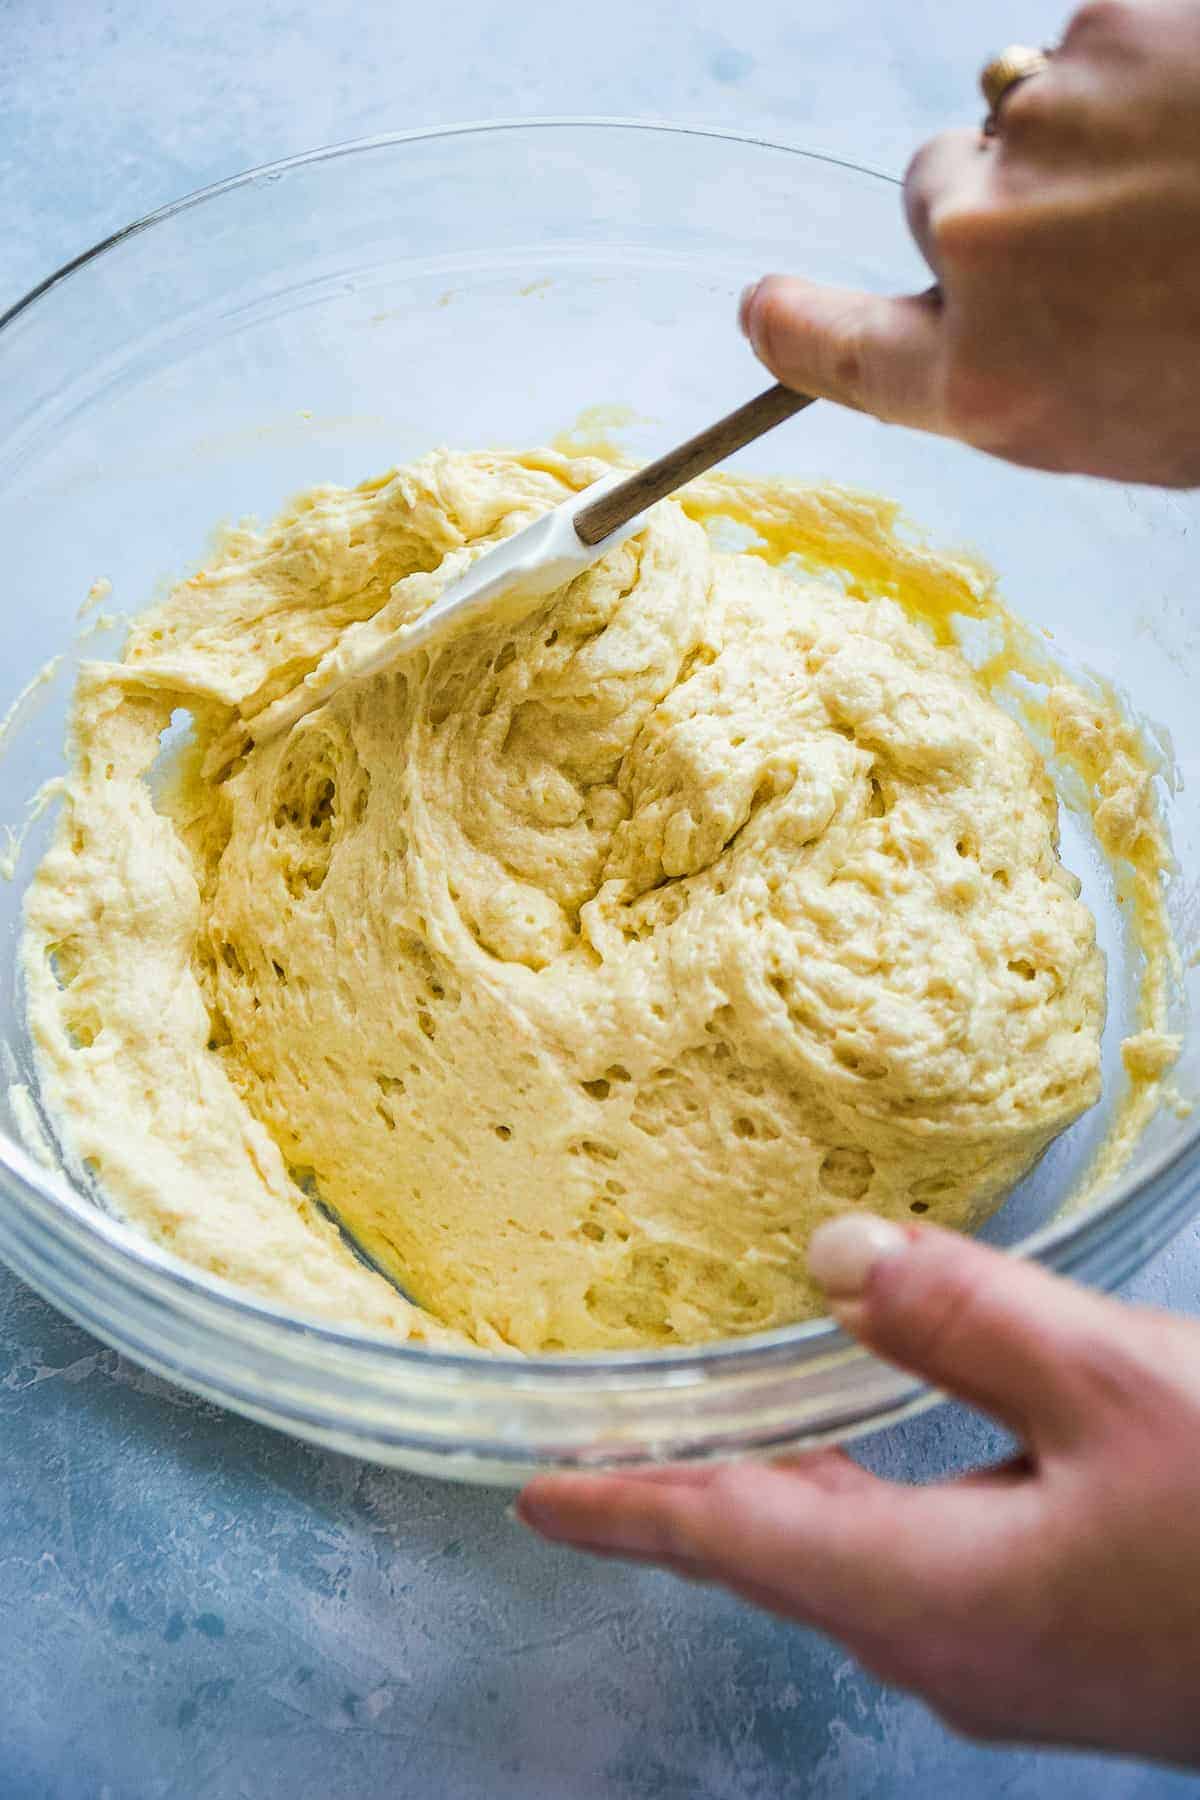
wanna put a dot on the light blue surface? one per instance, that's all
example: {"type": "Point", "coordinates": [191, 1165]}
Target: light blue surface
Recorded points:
{"type": "Point", "coordinates": [192, 1606]}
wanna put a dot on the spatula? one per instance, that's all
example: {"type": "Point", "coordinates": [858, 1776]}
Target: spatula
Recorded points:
{"type": "Point", "coordinates": [508, 580]}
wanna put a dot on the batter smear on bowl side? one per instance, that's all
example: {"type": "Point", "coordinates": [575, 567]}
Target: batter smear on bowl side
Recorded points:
{"type": "Point", "coordinates": [580, 967]}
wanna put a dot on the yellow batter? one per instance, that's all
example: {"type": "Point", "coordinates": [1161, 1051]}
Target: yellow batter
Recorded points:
{"type": "Point", "coordinates": [580, 968]}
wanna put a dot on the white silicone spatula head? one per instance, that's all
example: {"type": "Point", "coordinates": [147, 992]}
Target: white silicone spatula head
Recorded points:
{"type": "Point", "coordinates": [508, 581]}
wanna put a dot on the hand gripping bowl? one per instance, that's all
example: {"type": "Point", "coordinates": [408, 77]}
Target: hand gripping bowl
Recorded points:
{"type": "Point", "coordinates": [323, 319]}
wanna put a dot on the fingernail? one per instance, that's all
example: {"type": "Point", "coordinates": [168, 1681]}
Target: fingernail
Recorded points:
{"type": "Point", "coordinates": [745, 304]}
{"type": "Point", "coordinates": [842, 1254]}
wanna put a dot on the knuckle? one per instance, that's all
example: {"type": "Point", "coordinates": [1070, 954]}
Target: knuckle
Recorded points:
{"type": "Point", "coordinates": [918, 162]}
{"type": "Point", "coordinates": [917, 209]}
{"type": "Point", "coordinates": [940, 170]}
{"type": "Point", "coordinates": [848, 363]}
{"type": "Point", "coordinates": [1031, 111]}
{"type": "Point", "coordinates": [828, 352]}
{"type": "Point", "coordinates": [1052, 123]}
{"type": "Point", "coordinates": [1099, 18]}
{"type": "Point", "coordinates": [918, 177]}
{"type": "Point", "coordinates": [846, 373]}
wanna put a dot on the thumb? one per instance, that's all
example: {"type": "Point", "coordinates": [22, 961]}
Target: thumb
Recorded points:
{"type": "Point", "coordinates": [1026, 1346]}
{"type": "Point", "coordinates": [878, 355]}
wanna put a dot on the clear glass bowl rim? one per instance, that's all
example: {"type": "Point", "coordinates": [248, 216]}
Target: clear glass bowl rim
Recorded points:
{"type": "Point", "coordinates": [1135, 1221]}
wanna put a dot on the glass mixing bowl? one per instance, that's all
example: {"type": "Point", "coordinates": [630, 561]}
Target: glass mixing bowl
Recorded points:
{"type": "Point", "coordinates": [325, 318]}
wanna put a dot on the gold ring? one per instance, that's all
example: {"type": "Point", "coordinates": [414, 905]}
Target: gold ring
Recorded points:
{"type": "Point", "coordinates": [1008, 70]}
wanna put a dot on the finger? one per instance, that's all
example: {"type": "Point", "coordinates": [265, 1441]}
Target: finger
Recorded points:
{"type": "Point", "coordinates": [676, 1474]}
{"type": "Point", "coordinates": [993, 1329]}
{"type": "Point", "coordinates": [831, 1470]}
{"type": "Point", "coordinates": [634, 1513]}
{"type": "Point", "coordinates": [579, 1502]}
{"type": "Point", "coordinates": [1108, 33]}
{"type": "Point", "coordinates": [687, 1569]}
{"type": "Point", "coordinates": [878, 355]}
{"type": "Point", "coordinates": [949, 171]}
{"type": "Point", "coordinates": [873, 1557]}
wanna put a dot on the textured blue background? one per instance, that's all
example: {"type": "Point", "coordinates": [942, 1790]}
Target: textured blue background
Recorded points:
{"type": "Point", "coordinates": [191, 1606]}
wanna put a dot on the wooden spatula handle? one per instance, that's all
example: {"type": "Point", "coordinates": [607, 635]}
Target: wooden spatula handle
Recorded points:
{"type": "Point", "coordinates": [686, 461]}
